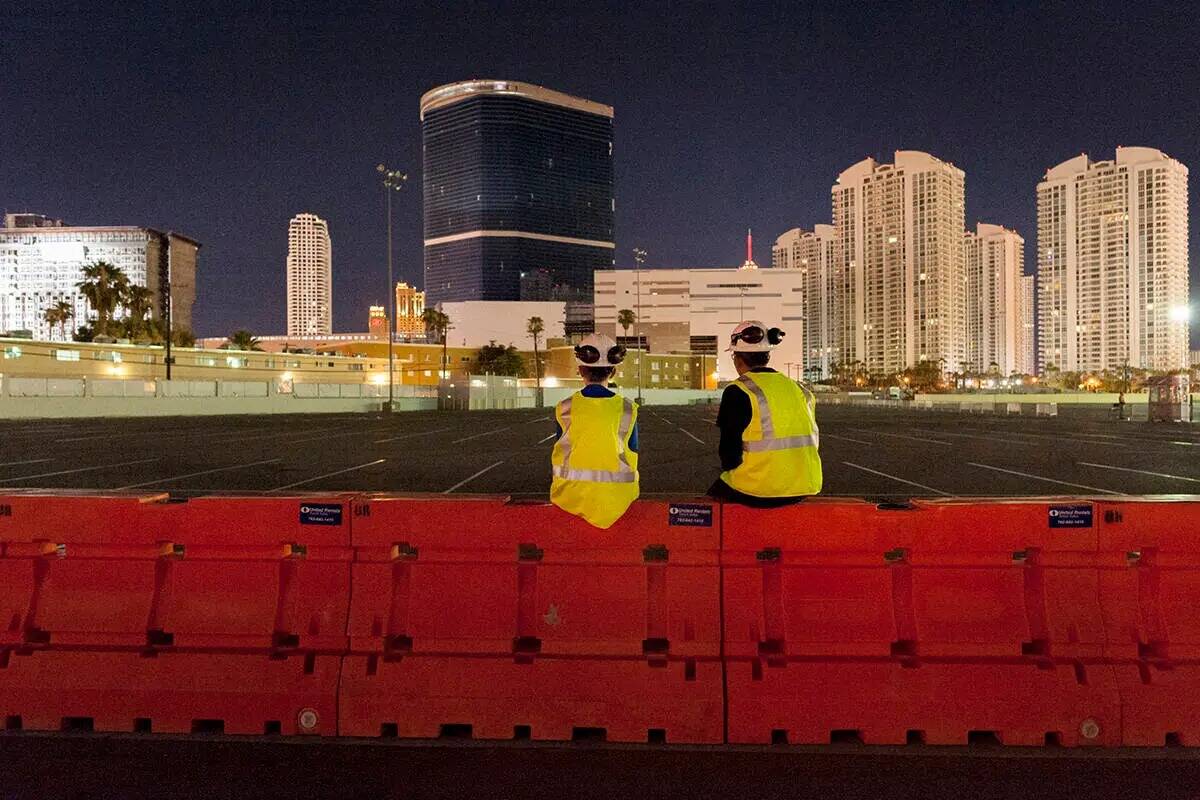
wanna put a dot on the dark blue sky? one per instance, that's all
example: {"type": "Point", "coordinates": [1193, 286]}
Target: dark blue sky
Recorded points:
{"type": "Point", "coordinates": [222, 123]}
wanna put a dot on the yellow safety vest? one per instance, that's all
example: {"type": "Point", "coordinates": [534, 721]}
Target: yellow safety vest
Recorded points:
{"type": "Point", "coordinates": [595, 472]}
{"type": "Point", "coordinates": [779, 446]}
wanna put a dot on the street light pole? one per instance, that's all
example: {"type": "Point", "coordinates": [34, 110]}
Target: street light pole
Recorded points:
{"type": "Point", "coordinates": [639, 258]}
{"type": "Point", "coordinates": [168, 359]}
{"type": "Point", "coordinates": [393, 181]}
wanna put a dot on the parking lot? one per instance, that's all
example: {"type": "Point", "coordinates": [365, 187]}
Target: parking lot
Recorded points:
{"type": "Point", "coordinates": [872, 452]}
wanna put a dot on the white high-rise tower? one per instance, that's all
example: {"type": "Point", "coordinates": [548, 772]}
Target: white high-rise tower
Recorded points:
{"type": "Point", "coordinates": [811, 252]}
{"type": "Point", "coordinates": [898, 266]}
{"type": "Point", "coordinates": [309, 277]}
{"type": "Point", "coordinates": [995, 263]}
{"type": "Point", "coordinates": [1112, 263]}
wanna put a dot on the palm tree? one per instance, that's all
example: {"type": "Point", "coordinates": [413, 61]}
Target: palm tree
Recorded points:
{"type": "Point", "coordinates": [437, 322]}
{"type": "Point", "coordinates": [626, 318]}
{"type": "Point", "coordinates": [534, 327]}
{"type": "Point", "coordinates": [137, 302]}
{"type": "Point", "coordinates": [242, 340]}
{"type": "Point", "coordinates": [103, 286]}
{"type": "Point", "coordinates": [59, 314]}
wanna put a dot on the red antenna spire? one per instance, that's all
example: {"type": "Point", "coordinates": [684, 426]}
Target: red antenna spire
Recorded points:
{"type": "Point", "coordinates": [749, 246]}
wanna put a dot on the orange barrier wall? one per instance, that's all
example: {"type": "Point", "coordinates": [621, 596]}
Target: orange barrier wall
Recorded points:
{"type": "Point", "coordinates": [144, 614]}
{"type": "Point", "coordinates": [935, 623]}
{"type": "Point", "coordinates": [523, 620]}
{"type": "Point", "coordinates": [1150, 594]}
{"type": "Point", "coordinates": [1032, 621]}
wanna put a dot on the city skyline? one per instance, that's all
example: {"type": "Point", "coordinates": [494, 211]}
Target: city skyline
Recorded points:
{"type": "Point", "coordinates": [705, 146]}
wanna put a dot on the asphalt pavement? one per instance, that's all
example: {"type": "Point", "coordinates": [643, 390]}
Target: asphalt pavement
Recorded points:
{"type": "Point", "coordinates": [866, 452]}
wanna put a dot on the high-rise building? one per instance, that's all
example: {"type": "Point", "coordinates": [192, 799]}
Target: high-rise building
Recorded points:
{"type": "Point", "coordinates": [995, 258]}
{"type": "Point", "coordinates": [377, 322]}
{"type": "Point", "coordinates": [811, 252]}
{"type": "Point", "coordinates": [410, 305]}
{"type": "Point", "coordinates": [1027, 332]}
{"type": "Point", "coordinates": [1112, 263]}
{"type": "Point", "coordinates": [309, 277]}
{"type": "Point", "coordinates": [517, 178]}
{"type": "Point", "coordinates": [42, 261]}
{"type": "Point", "coordinates": [899, 263]}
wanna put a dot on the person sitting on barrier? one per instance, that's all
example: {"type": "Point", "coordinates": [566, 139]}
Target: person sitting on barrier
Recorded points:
{"type": "Point", "coordinates": [768, 427]}
{"type": "Point", "coordinates": [595, 460]}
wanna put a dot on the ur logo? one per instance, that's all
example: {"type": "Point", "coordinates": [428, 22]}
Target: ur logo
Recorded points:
{"type": "Point", "coordinates": [551, 617]}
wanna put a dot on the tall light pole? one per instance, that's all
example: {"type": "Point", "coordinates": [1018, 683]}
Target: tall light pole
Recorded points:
{"type": "Point", "coordinates": [393, 181]}
{"type": "Point", "coordinates": [639, 258]}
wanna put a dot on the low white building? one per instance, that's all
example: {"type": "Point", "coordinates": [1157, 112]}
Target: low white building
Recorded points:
{"type": "Point", "coordinates": [42, 262]}
{"type": "Point", "coordinates": [474, 323]}
{"type": "Point", "coordinates": [695, 310]}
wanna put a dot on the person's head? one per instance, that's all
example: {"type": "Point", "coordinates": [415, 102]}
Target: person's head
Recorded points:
{"type": "Point", "coordinates": [600, 375]}
{"type": "Point", "coordinates": [744, 362]}
{"type": "Point", "coordinates": [751, 344]}
{"type": "Point", "coordinates": [598, 356]}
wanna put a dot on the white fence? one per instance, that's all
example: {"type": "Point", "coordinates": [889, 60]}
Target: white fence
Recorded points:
{"type": "Point", "coordinates": [96, 397]}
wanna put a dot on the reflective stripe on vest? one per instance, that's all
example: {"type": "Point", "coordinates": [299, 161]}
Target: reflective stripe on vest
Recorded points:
{"type": "Point", "coordinates": [624, 472]}
{"type": "Point", "coordinates": [769, 442]}
{"type": "Point", "coordinates": [783, 443]}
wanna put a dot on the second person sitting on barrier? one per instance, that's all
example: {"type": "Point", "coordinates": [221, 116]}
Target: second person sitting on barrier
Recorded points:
{"type": "Point", "coordinates": [595, 460]}
{"type": "Point", "coordinates": [768, 427]}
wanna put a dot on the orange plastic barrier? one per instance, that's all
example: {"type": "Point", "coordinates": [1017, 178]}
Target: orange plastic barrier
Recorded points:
{"type": "Point", "coordinates": [1031, 621]}
{"type": "Point", "coordinates": [216, 587]}
{"type": "Point", "coordinates": [521, 620]}
{"type": "Point", "coordinates": [1150, 593]}
{"type": "Point", "coordinates": [937, 623]}
{"type": "Point", "coordinates": [168, 692]}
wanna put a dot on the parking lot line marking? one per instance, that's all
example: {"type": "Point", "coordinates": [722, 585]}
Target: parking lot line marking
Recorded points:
{"type": "Point", "coordinates": [846, 439]}
{"type": "Point", "coordinates": [1054, 438]}
{"type": "Point", "coordinates": [998, 439]}
{"type": "Point", "coordinates": [902, 436]}
{"type": "Point", "coordinates": [226, 436]}
{"type": "Point", "coordinates": [30, 461]}
{"type": "Point", "coordinates": [548, 438]}
{"type": "Point", "coordinates": [171, 434]}
{"type": "Point", "coordinates": [539, 419]}
{"type": "Point", "coordinates": [411, 435]}
{"type": "Point", "coordinates": [82, 469]}
{"type": "Point", "coordinates": [689, 433]}
{"type": "Point", "coordinates": [197, 474]}
{"type": "Point", "coordinates": [1043, 478]}
{"type": "Point", "coordinates": [465, 481]}
{"type": "Point", "coordinates": [899, 480]}
{"type": "Point", "coordinates": [1140, 471]}
{"type": "Point", "coordinates": [328, 475]}
{"type": "Point", "coordinates": [485, 433]}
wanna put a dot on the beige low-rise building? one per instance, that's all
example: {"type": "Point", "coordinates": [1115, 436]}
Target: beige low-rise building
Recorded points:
{"type": "Point", "coordinates": [691, 312]}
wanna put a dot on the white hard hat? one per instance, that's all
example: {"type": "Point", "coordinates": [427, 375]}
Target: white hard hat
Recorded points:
{"type": "Point", "coordinates": [599, 350]}
{"type": "Point", "coordinates": [752, 336]}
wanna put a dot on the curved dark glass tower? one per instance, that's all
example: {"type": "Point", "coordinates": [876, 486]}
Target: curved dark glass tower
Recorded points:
{"type": "Point", "coordinates": [518, 192]}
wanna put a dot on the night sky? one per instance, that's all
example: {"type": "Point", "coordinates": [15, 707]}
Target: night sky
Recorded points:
{"type": "Point", "coordinates": [222, 123]}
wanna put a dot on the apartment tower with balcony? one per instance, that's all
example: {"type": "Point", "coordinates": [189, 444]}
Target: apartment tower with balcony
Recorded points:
{"type": "Point", "coordinates": [899, 263]}
{"type": "Point", "coordinates": [1112, 263]}
{"type": "Point", "coordinates": [995, 259]}
{"type": "Point", "coordinates": [309, 277]}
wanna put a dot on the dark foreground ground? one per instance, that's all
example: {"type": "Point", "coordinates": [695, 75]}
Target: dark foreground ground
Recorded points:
{"type": "Point", "coordinates": [866, 451]}
{"type": "Point", "coordinates": [135, 767]}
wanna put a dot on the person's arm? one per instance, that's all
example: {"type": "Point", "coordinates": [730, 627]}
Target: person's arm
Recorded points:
{"type": "Point", "coordinates": [732, 419]}
{"type": "Point", "coordinates": [633, 438]}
